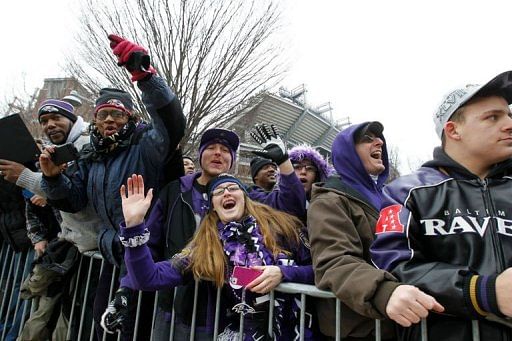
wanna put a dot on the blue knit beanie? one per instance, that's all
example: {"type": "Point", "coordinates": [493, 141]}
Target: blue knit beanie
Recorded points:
{"type": "Point", "coordinates": [218, 180]}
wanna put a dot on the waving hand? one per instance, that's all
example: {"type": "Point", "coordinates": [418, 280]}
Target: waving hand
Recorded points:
{"type": "Point", "coordinates": [272, 144]}
{"type": "Point", "coordinates": [135, 202]}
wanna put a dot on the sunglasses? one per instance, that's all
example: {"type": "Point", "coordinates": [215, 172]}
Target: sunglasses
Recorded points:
{"type": "Point", "coordinates": [369, 139]}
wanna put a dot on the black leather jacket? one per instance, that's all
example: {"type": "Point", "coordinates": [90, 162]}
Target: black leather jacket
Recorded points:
{"type": "Point", "coordinates": [449, 233]}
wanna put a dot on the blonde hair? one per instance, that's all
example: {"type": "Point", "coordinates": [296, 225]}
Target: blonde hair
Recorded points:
{"type": "Point", "coordinates": [207, 258]}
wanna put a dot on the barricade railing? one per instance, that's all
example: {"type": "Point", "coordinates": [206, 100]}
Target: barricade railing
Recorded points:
{"type": "Point", "coordinates": [15, 269]}
{"type": "Point", "coordinates": [81, 326]}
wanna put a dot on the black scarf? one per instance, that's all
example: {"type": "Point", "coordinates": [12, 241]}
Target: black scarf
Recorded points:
{"type": "Point", "coordinates": [102, 146]}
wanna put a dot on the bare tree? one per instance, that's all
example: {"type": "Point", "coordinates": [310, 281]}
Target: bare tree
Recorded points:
{"type": "Point", "coordinates": [22, 102]}
{"type": "Point", "coordinates": [416, 162]}
{"type": "Point", "coordinates": [394, 163]}
{"type": "Point", "coordinates": [214, 53]}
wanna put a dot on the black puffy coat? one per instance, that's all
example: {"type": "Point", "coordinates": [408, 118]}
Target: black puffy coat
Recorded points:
{"type": "Point", "coordinates": [12, 216]}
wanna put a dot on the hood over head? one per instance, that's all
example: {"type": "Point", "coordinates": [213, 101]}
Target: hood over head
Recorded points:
{"type": "Point", "coordinates": [349, 166]}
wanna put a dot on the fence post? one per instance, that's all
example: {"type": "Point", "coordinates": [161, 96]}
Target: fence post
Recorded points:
{"type": "Point", "coordinates": [475, 329]}
{"type": "Point", "coordinates": [155, 306]}
{"type": "Point", "coordinates": [5, 285]}
{"type": "Point", "coordinates": [424, 334]}
{"type": "Point", "coordinates": [378, 330]}
{"type": "Point", "coordinates": [82, 314]}
{"type": "Point", "coordinates": [111, 292]}
{"type": "Point", "coordinates": [173, 315]}
{"type": "Point", "coordinates": [338, 319]}
{"type": "Point", "coordinates": [72, 313]}
{"type": "Point", "coordinates": [302, 315]}
{"type": "Point", "coordinates": [271, 314]}
{"type": "Point", "coordinates": [137, 314]}
{"type": "Point", "coordinates": [13, 284]}
{"type": "Point", "coordinates": [217, 314]}
{"type": "Point", "coordinates": [194, 312]}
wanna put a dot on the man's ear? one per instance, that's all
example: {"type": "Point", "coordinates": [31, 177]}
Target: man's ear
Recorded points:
{"type": "Point", "coordinates": [451, 130]}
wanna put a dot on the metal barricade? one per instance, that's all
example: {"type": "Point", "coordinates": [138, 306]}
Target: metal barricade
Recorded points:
{"type": "Point", "coordinates": [15, 269]}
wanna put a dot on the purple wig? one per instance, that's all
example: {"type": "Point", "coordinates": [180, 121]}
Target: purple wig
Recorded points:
{"type": "Point", "coordinates": [304, 151]}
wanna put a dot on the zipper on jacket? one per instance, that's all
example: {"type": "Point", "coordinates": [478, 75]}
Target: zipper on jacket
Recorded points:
{"type": "Point", "coordinates": [105, 185]}
{"type": "Point", "coordinates": [193, 213]}
{"type": "Point", "coordinates": [488, 204]}
{"type": "Point", "coordinates": [167, 225]}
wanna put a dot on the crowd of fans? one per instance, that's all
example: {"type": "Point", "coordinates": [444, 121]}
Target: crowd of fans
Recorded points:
{"type": "Point", "coordinates": [434, 244]}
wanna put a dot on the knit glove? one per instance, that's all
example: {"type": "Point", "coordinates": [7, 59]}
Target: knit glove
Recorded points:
{"type": "Point", "coordinates": [273, 146]}
{"type": "Point", "coordinates": [117, 312]}
{"type": "Point", "coordinates": [133, 57]}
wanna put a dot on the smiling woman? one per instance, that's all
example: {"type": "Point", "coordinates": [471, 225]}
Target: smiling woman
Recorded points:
{"type": "Point", "coordinates": [236, 232]}
{"type": "Point", "coordinates": [227, 198]}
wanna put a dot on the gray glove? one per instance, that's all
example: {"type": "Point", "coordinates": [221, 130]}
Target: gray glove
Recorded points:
{"type": "Point", "coordinates": [273, 146]}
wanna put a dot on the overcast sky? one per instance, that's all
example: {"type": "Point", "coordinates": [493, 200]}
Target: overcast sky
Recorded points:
{"type": "Point", "coordinates": [390, 61]}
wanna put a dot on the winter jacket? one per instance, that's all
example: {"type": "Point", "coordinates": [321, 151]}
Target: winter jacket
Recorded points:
{"type": "Point", "coordinates": [80, 228]}
{"type": "Point", "coordinates": [168, 274]}
{"type": "Point", "coordinates": [341, 225]}
{"type": "Point", "coordinates": [341, 229]}
{"type": "Point", "coordinates": [449, 233]}
{"type": "Point", "coordinates": [179, 210]}
{"type": "Point", "coordinates": [43, 222]}
{"type": "Point", "coordinates": [12, 216]}
{"type": "Point", "coordinates": [150, 147]}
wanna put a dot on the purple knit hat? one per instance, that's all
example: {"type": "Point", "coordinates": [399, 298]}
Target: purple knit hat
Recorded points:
{"type": "Point", "coordinates": [304, 151]}
{"type": "Point", "coordinates": [57, 106]}
{"type": "Point", "coordinates": [223, 136]}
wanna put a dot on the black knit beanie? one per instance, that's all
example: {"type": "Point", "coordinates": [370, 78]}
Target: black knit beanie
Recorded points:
{"type": "Point", "coordinates": [258, 163]}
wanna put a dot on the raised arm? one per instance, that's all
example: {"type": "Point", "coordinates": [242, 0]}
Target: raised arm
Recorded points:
{"type": "Point", "coordinates": [145, 274]}
{"type": "Point", "coordinates": [168, 121]}
{"type": "Point", "coordinates": [290, 196]}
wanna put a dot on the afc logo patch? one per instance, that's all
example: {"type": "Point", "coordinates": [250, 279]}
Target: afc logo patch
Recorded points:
{"type": "Point", "coordinates": [389, 220]}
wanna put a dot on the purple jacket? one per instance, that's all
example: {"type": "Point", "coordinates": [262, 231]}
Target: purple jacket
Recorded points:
{"type": "Point", "coordinates": [147, 275]}
{"type": "Point", "coordinates": [180, 208]}
{"type": "Point", "coordinates": [150, 276]}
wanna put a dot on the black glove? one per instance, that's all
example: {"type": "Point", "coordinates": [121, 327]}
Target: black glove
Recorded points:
{"type": "Point", "coordinates": [269, 139]}
{"type": "Point", "coordinates": [116, 314]}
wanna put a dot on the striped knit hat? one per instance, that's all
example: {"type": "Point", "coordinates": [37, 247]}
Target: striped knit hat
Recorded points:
{"type": "Point", "coordinates": [58, 107]}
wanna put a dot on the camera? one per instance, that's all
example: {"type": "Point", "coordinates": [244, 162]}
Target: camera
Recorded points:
{"type": "Point", "coordinates": [64, 154]}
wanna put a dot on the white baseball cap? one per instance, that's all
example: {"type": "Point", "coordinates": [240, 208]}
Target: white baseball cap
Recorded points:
{"type": "Point", "coordinates": [500, 85]}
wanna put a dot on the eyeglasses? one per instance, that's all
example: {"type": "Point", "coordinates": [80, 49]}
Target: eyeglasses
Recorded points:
{"type": "Point", "coordinates": [309, 168]}
{"type": "Point", "coordinates": [115, 114]}
{"type": "Point", "coordinates": [220, 190]}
